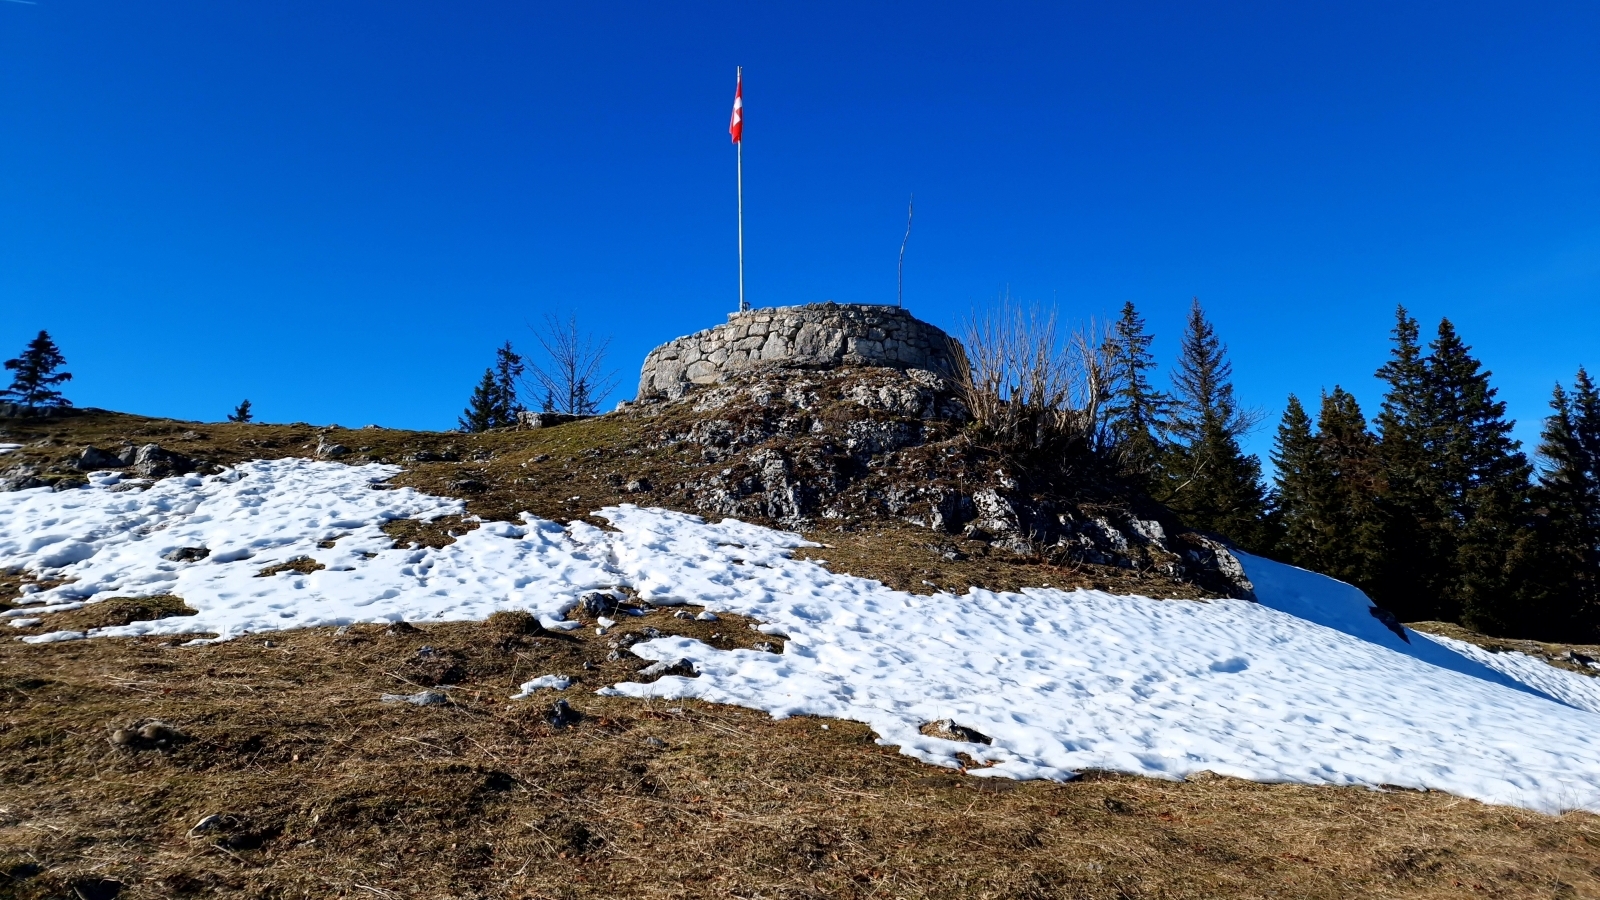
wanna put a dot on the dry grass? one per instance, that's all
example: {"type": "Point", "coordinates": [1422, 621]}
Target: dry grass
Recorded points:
{"type": "Point", "coordinates": [1563, 656]}
{"type": "Point", "coordinates": [907, 558]}
{"type": "Point", "coordinates": [323, 790]}
{"type": "Point", "coordinates": [565, 473]}
{"type": "Point", "coordinates": [116, 611]}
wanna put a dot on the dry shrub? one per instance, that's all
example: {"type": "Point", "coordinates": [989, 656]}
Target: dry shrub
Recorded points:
{"type": "Point", "coordinates": [508, 627]}
{"type": "Point", "coordinates": [1034, 392]}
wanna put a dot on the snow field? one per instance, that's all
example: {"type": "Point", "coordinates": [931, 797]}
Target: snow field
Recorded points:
{"type": "Point", "coordinates": [1305, 686]}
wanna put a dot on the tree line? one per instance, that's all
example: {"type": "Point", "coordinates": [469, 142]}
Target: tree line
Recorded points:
{"type": "Point", "coordinates": [1432, 507]}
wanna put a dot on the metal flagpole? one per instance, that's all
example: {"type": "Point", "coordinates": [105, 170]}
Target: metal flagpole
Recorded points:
{"type": "Point", "coordinates": [738, 77]}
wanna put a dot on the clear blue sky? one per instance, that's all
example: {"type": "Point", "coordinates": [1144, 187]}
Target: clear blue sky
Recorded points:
{"type": "Point", "coordinates": [338, 209]}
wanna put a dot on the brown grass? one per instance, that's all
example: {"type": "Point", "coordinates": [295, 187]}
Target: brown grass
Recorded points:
{"type": "Point", "coordinates": [323, 791]}
{"type": "Point", "coordinates": [567, 472]}
{"type": "Point", "coordinates": [1558, 655]}
{"type": "Point", "coordinates": [303, 565]}
{"type": "Point", "coordinates": [115, 611]}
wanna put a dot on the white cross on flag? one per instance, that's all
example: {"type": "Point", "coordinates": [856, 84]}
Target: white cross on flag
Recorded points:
{"type": "Point", "coordinates": [736, 124]}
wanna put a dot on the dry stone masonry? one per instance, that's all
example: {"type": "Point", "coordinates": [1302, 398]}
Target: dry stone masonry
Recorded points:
{"type": "Point", "coordinates": [817, 336]}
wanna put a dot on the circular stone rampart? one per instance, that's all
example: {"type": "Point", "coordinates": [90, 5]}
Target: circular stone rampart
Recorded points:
{"type": "Point", "coordinates": [816, 336]}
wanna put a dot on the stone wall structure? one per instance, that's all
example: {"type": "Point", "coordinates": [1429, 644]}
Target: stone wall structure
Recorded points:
{"type": "Point", "coordinates": [816, 336]}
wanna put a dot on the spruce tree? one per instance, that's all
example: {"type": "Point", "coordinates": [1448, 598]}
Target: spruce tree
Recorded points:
{"type": "Point", "coordinates": [483, 411]}
{"type": "Point", "coordinates": [1410, 579]}
{"type": "Point", "coordinates": [494, 402]}
{"type": "Point", "coordinates": [1299, 472]}
{"type": "Point", "coordinates": [1561, 587]}
{"type": "Point", "coordinates": [1483, 476]}
{"type": "Point", "coordinates": [37, 375]}
{"type": "Point", "coordinates": [508, 371]}
{"type": "Point", "coordinates": [1210, 481]}
{"type": "Point", "coordinates": [1137, 414]}
{"type": "Point", "coordinates": [1344, 501]}
{"type": "Point", "coordinates": [1456, 486]}
{"type": "Point", "coordinates": [241, 413]}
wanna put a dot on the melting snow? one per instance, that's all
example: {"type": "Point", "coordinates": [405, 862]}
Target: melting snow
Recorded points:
{"type": "Point", "coordinates": [1305, 686]}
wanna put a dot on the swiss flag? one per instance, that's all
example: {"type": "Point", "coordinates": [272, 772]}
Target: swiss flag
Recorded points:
{"type": "Point", "coordinates": [736, 124]}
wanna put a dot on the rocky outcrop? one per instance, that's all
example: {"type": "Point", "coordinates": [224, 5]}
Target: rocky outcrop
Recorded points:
{"type": "Point", "coordinates": [818, 336]}
{"type": "Point", "coordinates": [842, 447]}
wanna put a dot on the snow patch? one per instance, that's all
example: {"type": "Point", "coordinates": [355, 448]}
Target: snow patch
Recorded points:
{"type": "Point", "coordinates": [1305, 686]}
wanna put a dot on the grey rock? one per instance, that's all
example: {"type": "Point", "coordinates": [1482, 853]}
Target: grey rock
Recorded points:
{"type": "Point", "coordinates": [637, 486]}
{"type": "Point", "coordinates": [151, 461]}
{"type": "Point", "coordinates": [186, 554]}
{"type": "Point", "coordinates": [527, 419]}
{"type": "Point", "coordinates": [598, 603]}
{"type": "Point", "coordinates": [950, 731]}
{"type": "Point", "coordinates": [93, 459]}
{"type": "Point", "coordinates": [767, 647]}
{"type": "Point", "coordinates": [681, 667]}
{"type": "Point", "coordinates": [329, 450]}
{"type": "Point", "coordinates": [563, 715]}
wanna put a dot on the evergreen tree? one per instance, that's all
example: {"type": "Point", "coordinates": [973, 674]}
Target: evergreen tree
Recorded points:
{"type": "Point", "coordinates": [494, 402]}
{"type": "Point", "coordinates": [483, 410]}
{"type": "Point", "coordinates": [1299, 472]}
{"type": "Point", "coordinates": [36, 378]}
{"type": "Point", "coordinates": [1483, 476]}
{"type": "Point", "coordinates": [1456, 486]}
{"type": "Point", "coordinates": [241, 413]}
{"type": "Point", "coordinates": [1345, 499]}
{"type": "Point", "coordinates": [1410, 580]}
{"type": "Point", "coordinates": [1210, 481]}
{"type": "Point", "coordinates": [1137, 414]}
{"type": "Point", "coordinates": [508, 371]}
{"type": "Point", "coordinates": [1561, 583]}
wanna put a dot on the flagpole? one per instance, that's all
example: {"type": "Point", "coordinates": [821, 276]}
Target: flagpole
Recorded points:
{"type": "Point", "coordinates": [739, 79]}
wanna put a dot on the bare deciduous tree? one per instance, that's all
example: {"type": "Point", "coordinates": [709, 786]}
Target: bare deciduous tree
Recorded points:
{"type": "Point", "coordinates": [573, 378]}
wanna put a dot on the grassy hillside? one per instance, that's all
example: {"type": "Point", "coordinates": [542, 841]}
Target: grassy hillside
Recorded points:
{"type": "Point", "coordinates": [320, 788]}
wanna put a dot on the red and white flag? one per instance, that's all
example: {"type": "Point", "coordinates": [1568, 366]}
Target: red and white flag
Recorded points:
{"type": "Point", "coordinates": [736, 124]}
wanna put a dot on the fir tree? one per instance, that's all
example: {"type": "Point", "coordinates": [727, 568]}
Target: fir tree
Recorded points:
{"type": "Point", "coordinates": [1456, 486]}
{"type": "Point", "coordinates": [1137, 414]}
{"type": "Point", "coordinates": [36, 378]}
{"type": "Point", "coordinates": [1483, 478]}
{"type": "Point", "coordinates": [1345, 500]}
{"type": "Point", "coordinates": [1409, 581]}
{"type": "Point", "coordinates": [1210, 481]}
{"type": "Point", "coordinates": [483, 410]}
{"type": "Point", "coordinates": [241, 413]}
{"type": "Point", "coordinates": [1561, 587]}
{"type": "Point", "coordinates": [494, 402]}
{"type": "Point", "coordinates": [508, 371]}
{"type": "Point", "coordinates": [1299, 472]}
